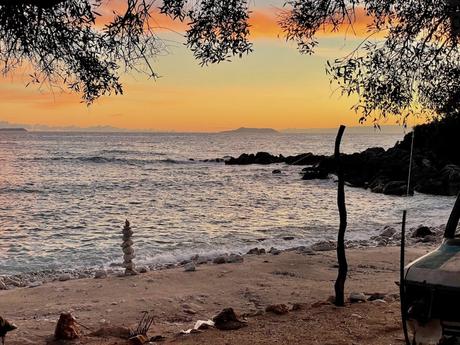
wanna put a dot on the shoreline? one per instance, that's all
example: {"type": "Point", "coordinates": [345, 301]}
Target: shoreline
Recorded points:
{"type": "Point", "coordinates": [178, 299]}
{"type": "Point", "coordinates": [388, 236]}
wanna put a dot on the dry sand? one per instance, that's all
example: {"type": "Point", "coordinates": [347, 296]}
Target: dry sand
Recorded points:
{"type": "Point", "coordinates": [179, 298]}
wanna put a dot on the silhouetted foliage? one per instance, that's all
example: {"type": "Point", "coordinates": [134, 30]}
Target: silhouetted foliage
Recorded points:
{"type": "Point", "coordinates": [409, 63]}
{"type": "Point", "coordinates": [414, 68]}
{"type": "Point", "coordinates": [67, 46]}
{"type": "Point", "coordinates": [218, 29]}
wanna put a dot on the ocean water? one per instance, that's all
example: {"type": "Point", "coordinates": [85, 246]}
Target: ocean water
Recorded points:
{"type": "Point", "coordinates": [64, 197]}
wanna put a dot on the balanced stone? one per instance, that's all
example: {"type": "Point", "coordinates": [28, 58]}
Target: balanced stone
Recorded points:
{"type": "Point", "coordinates": [128, 251]}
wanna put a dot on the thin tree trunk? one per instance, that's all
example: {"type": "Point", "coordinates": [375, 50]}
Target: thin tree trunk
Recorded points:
{"type": "Point", "coordinates": [341, 257]}
{"type": "Point", "coordinates": [452, 223]}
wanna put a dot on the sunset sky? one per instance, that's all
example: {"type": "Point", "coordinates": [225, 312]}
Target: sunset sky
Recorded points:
{"type": "Point", "coordinates": [274, 87]}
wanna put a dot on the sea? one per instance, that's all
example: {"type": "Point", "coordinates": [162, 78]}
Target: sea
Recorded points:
{"type": "Point", "coordinates": [64, 197]}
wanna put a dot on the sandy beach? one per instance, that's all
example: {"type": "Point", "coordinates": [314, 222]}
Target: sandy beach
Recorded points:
{"type": "Point", "coordinates": [178, 299]}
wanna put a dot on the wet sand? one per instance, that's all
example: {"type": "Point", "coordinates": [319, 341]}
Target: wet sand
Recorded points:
{"type": "Point", "coordinates": [178, 299]}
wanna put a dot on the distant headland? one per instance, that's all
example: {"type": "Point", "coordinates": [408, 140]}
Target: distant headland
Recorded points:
{"type": "Point", "coordinates": [245, 130]}
{"type": "Point", "coordinates": [13, 130]}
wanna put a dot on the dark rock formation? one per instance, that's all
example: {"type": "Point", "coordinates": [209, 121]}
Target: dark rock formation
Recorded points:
{"type": "Point", "coordinates": [267, 158]}
{"type": "Point", "coordinates": [435, 163]}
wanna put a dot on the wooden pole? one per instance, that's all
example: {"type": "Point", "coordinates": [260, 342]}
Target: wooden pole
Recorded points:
{"type": "Point", "coordinates": [402, 288]}
{"type": "Point", "coordinates": [452, 223]}
{"type": "Point", "coordinates": [341, 257]}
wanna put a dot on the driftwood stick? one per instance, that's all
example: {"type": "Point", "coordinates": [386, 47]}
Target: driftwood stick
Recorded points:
{"type": "Point", "coordinates": [454, 217]}
{"type": "Point", "coordinates": [341, 257]}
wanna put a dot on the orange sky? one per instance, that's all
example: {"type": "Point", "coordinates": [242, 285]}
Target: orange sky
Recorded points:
{"type": "Point", "coordinates": [274, 87]}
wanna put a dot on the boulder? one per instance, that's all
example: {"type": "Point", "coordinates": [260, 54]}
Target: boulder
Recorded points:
{"type": "Point", "coordinates": [422, 232]}
{"type": "Point", "coordinates": [276, 172]}
{"type": "Point", "coordinates": [265, 158]}
{"type": "Point", "coordinates": [274, 251]}
{"type": "Point", "coordinates": [256, 251]}
{"type": "Point", "coordinates": [64, 277]}
{"type": "Point", "coordinates": [395, 188]}
{"type": "Point", "coordinates": [66, 328]}
{"type": "Point", "coordinates": [220, 260]}
{"type": "Point", "coordinates": [323, 246]}
{"type": "Point", "coordinates": [234, 258]}
{"type": "Point", "coordinates": [227, 320]}
{"type": "Point", "coordinates": [190, 267]}
{"type": "Point", "coordinates": [377, 296]}
{"type": "Point", "coordinates": [314, 173]}
{"type": "Point", "coordinates": [388, 232]}
{"type": "Point", "coordinates": [357, 297]}
{"type": "Point", "coordinates": [304, 159]}
{"type": "Point", "coordinates": [100, 274]}
{"type": "Point", "coordinates": [451, 175]}
{"type": "Point", "coordinates": [434, 186]}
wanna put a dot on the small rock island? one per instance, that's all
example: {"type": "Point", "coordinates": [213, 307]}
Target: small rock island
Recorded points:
{"type": "Point", "coordinates": [13, 130]}
{"type": "Point", "coordinates": [245, 130]}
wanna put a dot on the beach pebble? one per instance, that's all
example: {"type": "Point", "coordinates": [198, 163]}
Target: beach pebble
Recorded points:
{"type": "Point", "coordinates": [288, 238]}
{"type": "Point", "coordinates": [35, 284]}
{"type": "Point", "coordinates": [189, 311]}
{"type": "Point", "coordinates": [64, 277]}
{"type": "Point", "coordinates": [100, 274]}
{"type": "Point", "coordinates": [299, 306]}
{"type": "Point", "coordinates": [12, 281]}
{"type": "Point", "coordinates": [190, 267]}
{"type": "Point", "coordinates": [278, 309]}
{"type": "Point", "coordinates": [429, 239]}
{"type": "Point", "coordinates": [220, 260]}
{"type": "Point", "coordinates": [388, 232]}
{"type": "Point", "coordinates": [142, 269]}
{"type": "Point", "coordinates": [379, 301]}
{"type": "Point", "coordinates": [323, 246]}
{"type": "Point", "coordinates": [157, 339]}
{"type": "Point", "coordinates": [256, 251]}
{"type": "Point", "coordinates": [357, 297]}
{"type": "Point", "coordinates": [235, 258]}
{"type": "Point", "coordinates": [376, 295]}
{"type": "Point", "coordinates": [202, 260]}
{"type": "Point", "coordinates": [274, 251]}
{"type": "Point", "coordinates": [276, 171]}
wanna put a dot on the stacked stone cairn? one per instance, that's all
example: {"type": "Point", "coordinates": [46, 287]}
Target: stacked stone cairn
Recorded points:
{"type": "Point", "coordinates": [128, 251]}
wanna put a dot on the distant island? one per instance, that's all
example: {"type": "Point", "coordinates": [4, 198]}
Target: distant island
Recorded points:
{"type": "Point", "coordinates": [244, 130]}
{"type": "Point", "coordinates": [13, 130]}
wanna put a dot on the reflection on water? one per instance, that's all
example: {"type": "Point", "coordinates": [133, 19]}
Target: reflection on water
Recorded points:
{"type": "Point", "coordinates": [64, 197]}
